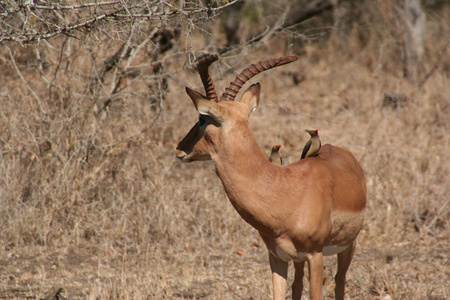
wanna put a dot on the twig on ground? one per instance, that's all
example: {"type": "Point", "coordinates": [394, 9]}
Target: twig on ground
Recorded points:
{"type": "Point", "coordinates": [436, 64]}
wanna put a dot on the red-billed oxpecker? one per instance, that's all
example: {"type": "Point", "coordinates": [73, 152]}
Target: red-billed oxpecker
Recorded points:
{"type": "Point", "coordinates": [312, 147]}
{"type": "Point", "coordinates": [275, 156]}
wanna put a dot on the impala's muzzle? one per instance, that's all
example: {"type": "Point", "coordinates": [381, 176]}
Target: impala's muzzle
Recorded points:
{"type": "Point", "coordinates": [181, 155]}
{"type": "Point", "coordinates": [185, 149]}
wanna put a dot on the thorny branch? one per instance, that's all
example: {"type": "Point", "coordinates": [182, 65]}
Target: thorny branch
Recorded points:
{"type": "Point", "coordinates": [38, 17]}
{"type": "Point", "coordinates": [24, 5]}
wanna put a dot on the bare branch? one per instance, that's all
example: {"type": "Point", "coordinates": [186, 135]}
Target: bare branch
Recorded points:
{"type": "Point", "coordinates": [37, 37]}
{"type": "Point", "coordinates": [311, 9]}
{"type": "Point", "coordinates": [72, 7]}
{"type": "Point", "coordinates": [38, 100]}
{"type": "Point", "coordinates": [293, 18]}
{"type": "Point", "coordinates": [111, 10]}
{"type": "Point", "coordinates": [436, 64]}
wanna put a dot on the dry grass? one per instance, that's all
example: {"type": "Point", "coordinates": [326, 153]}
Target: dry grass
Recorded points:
{"type": "Point", "coordinates": [94, 201]}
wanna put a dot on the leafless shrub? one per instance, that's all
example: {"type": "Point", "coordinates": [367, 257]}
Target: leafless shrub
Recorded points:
{"type": "Point", "coordinates": [93, 201]}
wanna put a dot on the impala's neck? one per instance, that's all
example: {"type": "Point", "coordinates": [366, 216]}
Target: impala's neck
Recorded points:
{"type": "Point", "coordinates": [247, 177]}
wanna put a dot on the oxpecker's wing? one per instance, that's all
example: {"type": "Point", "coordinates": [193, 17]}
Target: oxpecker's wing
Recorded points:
{"type": "Point", "coordinates": [306, 149]}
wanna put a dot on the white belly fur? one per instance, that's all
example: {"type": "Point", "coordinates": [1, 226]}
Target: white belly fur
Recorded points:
{"type": "Point", "coordinates": [301, 256]}
{"type": "Point", "coordinates": [331, 250]}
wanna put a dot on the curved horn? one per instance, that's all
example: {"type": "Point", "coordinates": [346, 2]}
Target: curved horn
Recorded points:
{"type": "Point", "coordinates": [234, 87]}
{"type": "Point", "coordinates": [203, 69]}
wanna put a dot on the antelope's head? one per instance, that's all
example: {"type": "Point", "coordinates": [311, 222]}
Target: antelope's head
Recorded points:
{"type": "Point", "coordinates": [220, 114]}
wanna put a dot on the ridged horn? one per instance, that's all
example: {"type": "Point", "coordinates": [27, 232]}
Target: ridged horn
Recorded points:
{"type": "Point", "coordinates": [203, 69]}
{"type": "Point", "coordinates": [234, 87]}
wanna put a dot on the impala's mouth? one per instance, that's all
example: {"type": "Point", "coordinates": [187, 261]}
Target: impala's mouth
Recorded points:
{"type": "Point", "coordinates": [181, 155]}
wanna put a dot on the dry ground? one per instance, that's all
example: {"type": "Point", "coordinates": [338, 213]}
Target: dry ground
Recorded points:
{"type": "Point", "coordinates": [96, 203]}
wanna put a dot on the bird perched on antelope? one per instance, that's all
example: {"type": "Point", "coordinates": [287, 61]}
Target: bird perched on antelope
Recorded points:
{"type": "Point", "coordinates": [275, 156]}
{"type": "Point", "coordinates": [312, 147]}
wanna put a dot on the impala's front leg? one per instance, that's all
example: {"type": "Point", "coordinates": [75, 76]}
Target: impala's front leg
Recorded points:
{"type": "Point", "coordinates": [315, 268]}
{"type": "Point", "coordinates": [279, 276]}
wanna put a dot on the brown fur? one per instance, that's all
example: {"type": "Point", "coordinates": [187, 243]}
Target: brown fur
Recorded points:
{"type": "Point", "coordinates": [302, 207]}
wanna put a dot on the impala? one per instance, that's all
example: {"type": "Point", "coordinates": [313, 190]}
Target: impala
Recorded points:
{"type": "Point", "coordinates": [302, 211]}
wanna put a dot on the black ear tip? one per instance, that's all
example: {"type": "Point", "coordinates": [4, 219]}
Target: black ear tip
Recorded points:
{"type": "Point", "coordinates": [190, 92]}
{"type": "Point", "coordinates": [256, 87]}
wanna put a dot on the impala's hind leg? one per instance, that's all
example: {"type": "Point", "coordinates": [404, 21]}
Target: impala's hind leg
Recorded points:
{"type": "Point", "coordinates": [344, 260]}
{"type": "Point", "coordinates": [297, 285]}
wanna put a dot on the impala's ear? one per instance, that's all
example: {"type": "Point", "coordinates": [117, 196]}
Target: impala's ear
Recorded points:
{"type": "Point", "coordinates": [204, 106]}
{"type": "Point", "coordinates": [251, 97]}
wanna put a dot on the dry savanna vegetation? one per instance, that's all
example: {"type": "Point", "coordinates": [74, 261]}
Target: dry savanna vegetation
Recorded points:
{"type": "Point", "coordinates": [94, 204]}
